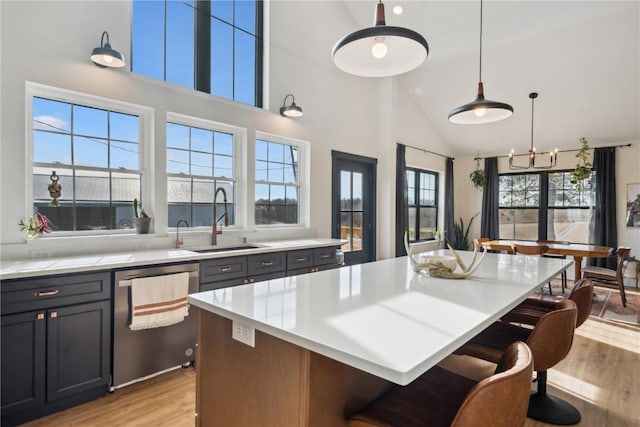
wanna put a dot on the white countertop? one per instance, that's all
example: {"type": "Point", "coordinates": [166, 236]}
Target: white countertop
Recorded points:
{"type": "Point", "coordinates": [381, 317]}
{"type": "Point", "coordinates": [75, 264]}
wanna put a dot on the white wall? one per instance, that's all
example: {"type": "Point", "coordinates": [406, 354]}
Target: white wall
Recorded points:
{"type": "Point", "coordinates": [49, 42]}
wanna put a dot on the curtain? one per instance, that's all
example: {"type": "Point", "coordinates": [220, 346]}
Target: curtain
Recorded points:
{"type": "Point", "coordinates": [402, 199]}
{"type": "Point", "coordinates": [449, 218]}
{"type": "Point", "coordinates": [489, 220]}
{"type": "Point", "coordinates": [605, 225]}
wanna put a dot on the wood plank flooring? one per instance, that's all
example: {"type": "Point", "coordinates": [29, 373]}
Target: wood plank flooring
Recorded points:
{"type": "Point", "coordinates": [600, 376]}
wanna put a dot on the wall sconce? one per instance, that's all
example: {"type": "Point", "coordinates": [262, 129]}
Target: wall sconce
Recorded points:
{"type": "Point", "coordinates": [292, 110]}
{"type": "Point", "coordinates": [104, 56]}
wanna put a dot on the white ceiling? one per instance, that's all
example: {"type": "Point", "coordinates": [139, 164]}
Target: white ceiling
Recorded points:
{"type": "Point", "coordinates": [582, 57]}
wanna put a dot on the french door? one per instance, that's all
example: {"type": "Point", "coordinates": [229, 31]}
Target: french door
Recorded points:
{"type": "Point", "coordinates": [353, 205]}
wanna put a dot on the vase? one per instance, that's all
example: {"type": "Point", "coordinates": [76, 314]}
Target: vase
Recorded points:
{"type": "Point", "coordinates": [142, 225]}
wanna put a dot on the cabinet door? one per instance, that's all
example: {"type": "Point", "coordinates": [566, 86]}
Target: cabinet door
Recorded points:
{"type": "Point", "coordinates": [23, 361]}
{"type": "Point", "coordinates": [79, 352]}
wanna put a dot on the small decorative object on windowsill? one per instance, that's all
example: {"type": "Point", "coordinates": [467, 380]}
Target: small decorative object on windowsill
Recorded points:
{"type": "Point", "coordinates": [35, 226]}
{"type": "Point", "coordinates": [55, 190]}
{"type": "Point", "coordinates": [478, 177]}
{"type": "Point", "coordinates": [438, 234]}
{"type": "Point", "coordinates": [142, 221]}
{"type": "Point", "coordinates": [582, 170]}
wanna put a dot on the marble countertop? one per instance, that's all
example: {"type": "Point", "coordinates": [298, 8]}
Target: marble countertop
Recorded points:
{"type": "Point", "coordinates": [76, 264]}
{"type": "Point", "coordinates": [382, 317]}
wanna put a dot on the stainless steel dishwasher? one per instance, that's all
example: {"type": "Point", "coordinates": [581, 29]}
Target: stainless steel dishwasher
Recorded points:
{"type": "Point", "coordinates": [140, 354]}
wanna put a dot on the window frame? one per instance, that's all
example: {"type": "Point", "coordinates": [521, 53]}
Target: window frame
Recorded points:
{"type": "Point", "coordinates": [303, 180]}
{"type": "Point", "coordinates": [436, 188]}
{"type": "Point", "coordinates": [239, 137]}
{"type": "Point", "coordinates": [147, 172]}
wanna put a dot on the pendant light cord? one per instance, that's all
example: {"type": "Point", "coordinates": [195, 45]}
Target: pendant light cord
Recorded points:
{"type": "Point", "coordinates": [532, 99]}
{"type": "Point", "coordinates": [480, 77]}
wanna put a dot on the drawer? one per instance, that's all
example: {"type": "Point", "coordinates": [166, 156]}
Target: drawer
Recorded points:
{"type": "Point", "coordinates": [221, 269]}
{"type": "Point", "coordinates": [299, 259]}
{"type": "Point", "coordinates": [324, 255]}
{"type": "Point", "coordinates": [222, 284]}
{"type": "Point", "coordinates": [266, 263]}
{"type": "Point", "coordinates": [54, 291]}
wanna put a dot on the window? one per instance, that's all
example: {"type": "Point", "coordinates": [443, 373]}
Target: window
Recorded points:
{"type": "Point", "coordinates": [423, 204]}
{"type": "Point", "coordinates": [214, 47]}
{"type": "Point", "coordinates": [277, 189]}
{"type": "Point", "coordinates": [200, 160]}
{"type": "Point", "coordinates": [96, 154]}
{"type": "Point", "coordinates": [545, 205]}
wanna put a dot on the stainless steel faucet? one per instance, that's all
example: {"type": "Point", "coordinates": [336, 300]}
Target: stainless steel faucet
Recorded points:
{"type": "Point", "coordinates": [179, 241]}
{"type": "Point", "coordinates": [225, 215]}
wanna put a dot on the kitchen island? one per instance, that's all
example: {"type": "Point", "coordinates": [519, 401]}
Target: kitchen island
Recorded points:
{"type": "Point", "coordinates": [327, 343]}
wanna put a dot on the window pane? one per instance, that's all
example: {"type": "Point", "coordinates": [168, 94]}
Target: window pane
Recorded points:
{"type": "Point", "coordinates": [51, 115]}
{"type": "Point", "coordinates": [244, 68]}
{"type": "Point", "coordinates": [276, 172]}
{"type": "Point", "coordinates": [179, 44]}
{"type": "Point", "coordinates": [92, 185]}
{"type": "Point", "coordinates": [222, 9]}
{"type": "Point", "coordinates": [203, 191]}
{"type": "Point", "coordinates": [177, 136]}
{"type": "Point", "coordinates": [221, 59]}
{"type": "Point", "coordinates": [262, 193]}
{"type": "Point", "coordinates": [276, 152]}
{"type": "Point", "coordinates": [201, 164]}
{"type": "Point", "coordinates": [124, 155]}
{"type": "Point", "coordinates": [245, 16]}
{"type": "Point", "coordinates": [261, 171]}
{"type": "Point", "coordinates": [223, 166]}
{"type": "Point", "coordinates": [147, 56]}
{"type": "Point", "coordinates": [51, 147]}
{"type": "Point", "coordinates": [261, 150]}
{"type": "Point", "coordinates": [412, 223]}
{"type": "Point", "coordinates": [568, 224]}
{"type": "Point", "coordinates": [223, 143]}
{"type": "Point", "coordinates": [427, 223]}
{"type": "Point", "coordinates": [90, 152]}
{"type": "Point", "coordinates": [277, 194]}
{"type": "Point", "coordinates": [178, 191]}
{"type": "Point", "coordinates": [89, 121]}
{"type": "Point", "coordinates": [41, 183]}
{"type": "Point", "coordinates": [125, 187]}
{"type": "Point", "coordinates": [520, 224]}
{"type": "Point", "coordinates": [202, 140]}
{"type": "Point", "coordinates": [177, 161]}
{"type": "Point", "coordinates": [290, 174]}
{"type": "Point", "coordinates": [124, 127]}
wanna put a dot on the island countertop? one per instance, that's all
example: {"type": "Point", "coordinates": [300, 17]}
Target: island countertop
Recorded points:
{"type": "Point", "coordinates": [382, 317]}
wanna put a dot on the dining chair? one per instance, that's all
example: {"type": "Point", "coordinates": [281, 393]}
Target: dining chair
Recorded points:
{"type": "Point", "coordinates": [530, 311]}
{"type": "Point", "coordinates": [550, 341]}
{"type": "Point", "coordinates": [517, 248]}
{"type": "Point", "coordinates": [610, 277]}
{"type": "Point", "coordinates": [563, 275]}
{"type": "Point", "coordinates": [443, 398]}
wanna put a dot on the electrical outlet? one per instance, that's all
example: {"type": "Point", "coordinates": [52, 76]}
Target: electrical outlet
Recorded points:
{"type": "Point", "coordinates": [243, 333]}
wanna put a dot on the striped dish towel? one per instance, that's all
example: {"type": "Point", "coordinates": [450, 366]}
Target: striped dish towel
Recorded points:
{"type": "Point", "coordinates": [159, 301]}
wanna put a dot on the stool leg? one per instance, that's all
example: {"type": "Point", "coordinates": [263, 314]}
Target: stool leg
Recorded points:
{"type": "Point", "coordinates": [550, 409]}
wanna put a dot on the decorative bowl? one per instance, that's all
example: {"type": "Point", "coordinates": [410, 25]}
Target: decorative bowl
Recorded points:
{"type": "Point", "coordinates": [447, 262]}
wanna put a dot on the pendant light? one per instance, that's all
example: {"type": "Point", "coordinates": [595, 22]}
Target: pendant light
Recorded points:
{"type": "Point", "coordinates": [553, 155]}
{"type": "Point", "coordinates": [105, 56]}
{"type": "Point", "coordinates": [381, 50]}
{"type": "Point", "coordinates": [480, 110]}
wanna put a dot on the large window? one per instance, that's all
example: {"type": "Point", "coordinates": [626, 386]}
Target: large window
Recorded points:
{"type": "Point", "coordinates": [545, 205]}
{"type": "Point", "coordinates": [199, 162]}
{"type": "Point", "coordinates": [214, 47]}
{"type": "Point", "coordinates": [95, 152]}
{"type": "Point", "coordinates": [423, 204]}
{"type": "Point", "coordinates": [277, 189]}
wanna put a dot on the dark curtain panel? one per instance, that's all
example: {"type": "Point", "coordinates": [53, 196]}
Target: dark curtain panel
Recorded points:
{"type": "Point", "coordinates": [605, 225]}
{"type": "Point", "coordinates": [402, 199]}
{"type": "Point", "coordinates": [489, 220]}
{"type": "Point", "coordinates": [449, 217]}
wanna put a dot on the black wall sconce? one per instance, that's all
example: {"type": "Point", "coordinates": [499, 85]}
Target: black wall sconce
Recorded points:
{"type": "Point", "coordinates": [292, 110]}
{"type": "Point", "coordinates": [105, 56]}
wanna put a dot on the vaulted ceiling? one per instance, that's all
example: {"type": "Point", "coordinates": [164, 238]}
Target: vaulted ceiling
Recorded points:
{"type": "Point", "coordinates": [582, 57]}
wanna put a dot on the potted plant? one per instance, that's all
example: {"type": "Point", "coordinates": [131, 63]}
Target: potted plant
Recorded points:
{"type": "Point", "coordinates": [478, 176]}
{"type": "Point", "coordinates": [582, 170]}
{"type": "Point", "coordinates": [141, 221]}
{"type": "Point", "coordinates": [459, 238]}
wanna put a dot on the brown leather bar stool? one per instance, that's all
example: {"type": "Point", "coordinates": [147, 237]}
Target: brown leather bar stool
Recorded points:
{"type": "Point", "coordinates": [550, 341]}
{"type": "Point", "coordinates": [531, 310]}
{"type": "Point", "coordinates": [443, 398]}
{"type": "Point", "coordinates": [608, 276]}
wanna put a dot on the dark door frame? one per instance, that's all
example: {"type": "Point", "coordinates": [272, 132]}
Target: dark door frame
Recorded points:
{"type": "Point", "coordinates": [336, 157]}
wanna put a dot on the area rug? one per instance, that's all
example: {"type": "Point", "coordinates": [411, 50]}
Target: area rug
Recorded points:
{"type": "Point", "coordinates": [607, 303]}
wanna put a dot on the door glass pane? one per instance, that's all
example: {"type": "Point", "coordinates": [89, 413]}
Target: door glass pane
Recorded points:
{"type": "Point", "coordinates": [357, 231]}
{"type": "Point", "coordinates": [345, 190]}
{"type": "Point", "coordinates": [412, 224]}
{"type": "Point", "coordinates": [357, 191]}
{"type": "Point", "coordinates": [346, 231]}
{"type": "Point", "coordinates": [427, 223]}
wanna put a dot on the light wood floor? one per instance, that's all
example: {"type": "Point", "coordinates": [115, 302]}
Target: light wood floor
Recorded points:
{"type": "Point", "coordinates": [600, 376]}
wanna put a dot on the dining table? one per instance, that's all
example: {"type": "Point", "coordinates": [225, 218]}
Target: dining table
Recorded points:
{"type": "Point", "coordinates": [576, 250]}
{"type": "Point", "coordinates": [306, 350]}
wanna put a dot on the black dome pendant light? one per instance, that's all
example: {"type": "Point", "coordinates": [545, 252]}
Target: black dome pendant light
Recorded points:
{"type": "Point", "coordinates": [480, 110]}
{"type": "Point", "coordinates": [381, 50]}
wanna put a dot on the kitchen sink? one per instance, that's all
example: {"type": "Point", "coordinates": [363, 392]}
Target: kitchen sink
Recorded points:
{"type": "Point", "coordinates": [224, 249]}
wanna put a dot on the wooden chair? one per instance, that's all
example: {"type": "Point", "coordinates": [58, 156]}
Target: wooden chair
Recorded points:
{"type": "Point", "coordinates": [608, 276]}
{"type": "Point", "coordinates": [563, 275]}
{"type": "Point", "coordinates": [550, 341]}
{"type": "Point", "coordinates": [531, 310]}
{"type": "Point", "coordinates": [531, 250]}
{"type": "Point", "coordinates": [481, 240]}
{"type": "Point", "coordinates": [443, 398]}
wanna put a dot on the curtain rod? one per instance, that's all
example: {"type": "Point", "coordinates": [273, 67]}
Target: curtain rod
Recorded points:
{"type": "Point", "coordinates": [426, 151]}
{"type": "Point", "coordinates": [559, 151]}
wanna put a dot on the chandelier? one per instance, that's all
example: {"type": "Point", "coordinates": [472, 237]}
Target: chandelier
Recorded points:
{"type": "Point", "coordinates": [532, 155]}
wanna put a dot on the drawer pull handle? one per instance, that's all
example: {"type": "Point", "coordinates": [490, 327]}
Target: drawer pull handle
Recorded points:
{"type": "Point", "coordinates": [301, 259]}
{"type": "Point", "coordinates": [247, 281]}
{"type": "Point", "coordinates": [224, 269]}
{"type": "Point", "coordinates": [325, 256]}
{"type": "Point", "coordinates": [53, 314]}
{"type": "Point", "coordinates": [267, 263]}
{"type": "Point", "coordinates": [46, 293]}
{"type": "Point", "coordinates": [40, 316]}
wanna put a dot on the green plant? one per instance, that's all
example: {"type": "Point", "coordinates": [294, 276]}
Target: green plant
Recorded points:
{"type": "Point", "coordinates": [143, 214]}
{"type": "Point", "coordinates": [459, 238]}
{"type": "Point", "coordinates": [35, 226]}
{"type": "Point", "coordinates": [582, 170]}
{"type": "Point", "coordinates": [478, 177]}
